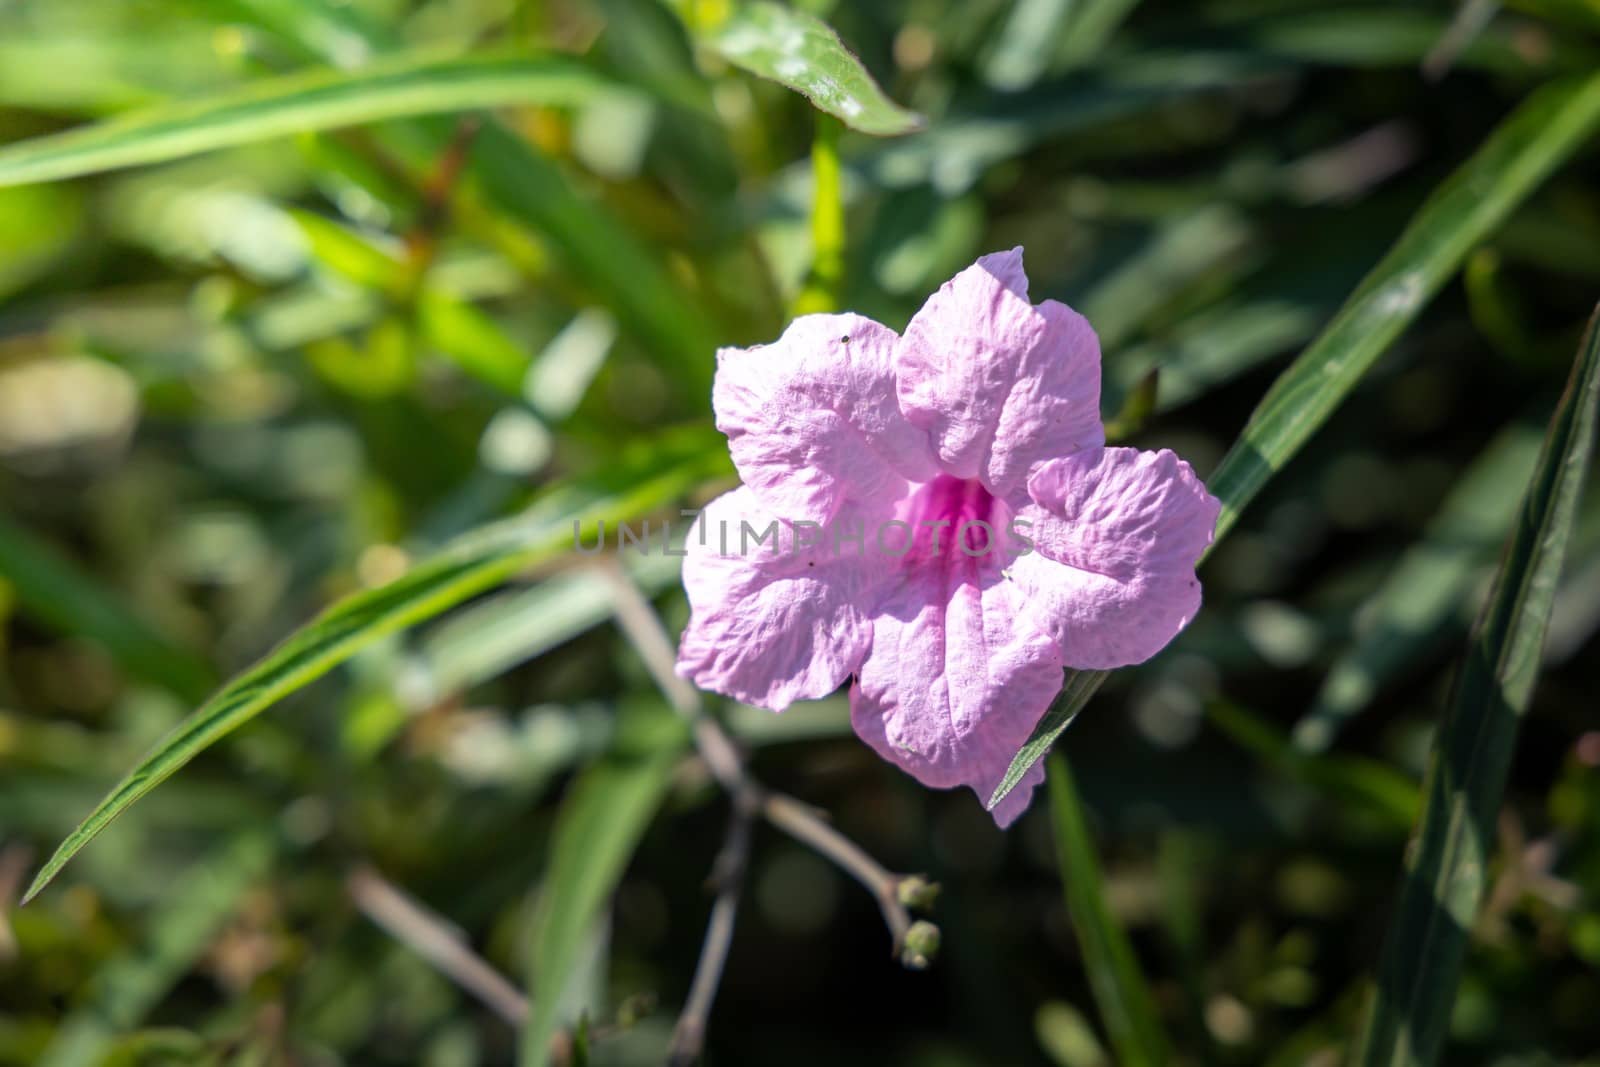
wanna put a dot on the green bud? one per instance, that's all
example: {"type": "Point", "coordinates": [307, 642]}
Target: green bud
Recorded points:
{"type": "Point", "coordinates": [917, 892]}
{"type": "Point", "coordinates": [921, 945]}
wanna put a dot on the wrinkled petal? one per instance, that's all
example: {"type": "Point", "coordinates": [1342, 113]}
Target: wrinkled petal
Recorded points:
{"type": "Point", "coordinates": [999, 385]}
{"type": "Point", "coordinates": [813, 420]}
{"type": "Point", "coordinates": [955, 680]}
{"type": "Point", "coordinates": [770, 625]}
{"type": "Point", "coordinates": [1117, 537]}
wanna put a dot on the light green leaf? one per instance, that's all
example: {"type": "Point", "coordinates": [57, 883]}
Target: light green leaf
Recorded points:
{"type": "Point", "coordinates": [1446, 865]}
{"type": "Point", "coordinates": [299, 103]}
{"type": "Point", "coordinates": [800, 51]}
{"type": "Point", "coordinates": [355, 257]}
{"type": "Point", "coordinates": [1119, 988]}
{"type": "Point", "coordinates": [38, 226]}
{"type": "Point", "coordinates": [600, 824]}
{"type": "Point", "coordinates": [1518, 155]}
{"type": "Point", "coordinates": [473, 339]}
{"type": "Point", "coordinates": [53, 590]}
{"type": "Point", "coordinates": [479, 561]}
{"type": "Point", "coordinates": [1426, 587]}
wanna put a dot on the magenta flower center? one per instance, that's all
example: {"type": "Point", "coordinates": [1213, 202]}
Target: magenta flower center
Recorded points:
{"type": "Point", "coordinates": [953, 518]}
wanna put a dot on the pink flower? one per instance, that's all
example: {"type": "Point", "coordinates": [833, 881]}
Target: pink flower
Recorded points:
{"type": "Point", "coordinates": [943, 521]}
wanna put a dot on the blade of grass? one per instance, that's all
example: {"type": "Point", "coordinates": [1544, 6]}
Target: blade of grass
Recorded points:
{"type": "Point", "coordinates": [299, 103]}
{"type": "Point", "coordinates": [600, 824]}
{"type": "Point", "coordinates": [1447, 859]}
{"type": "Point", "coordinates": [641, 483]}
{"type": "Point", "coordinates": [52, 589]}
{"type": "Point", "coordinates": [1535, 139]}
{"type": "Point", "coordinates": [1120, 992]}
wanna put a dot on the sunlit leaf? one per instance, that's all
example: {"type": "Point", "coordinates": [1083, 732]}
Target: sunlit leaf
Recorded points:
{"type": "Point", "coordinates": [474, 563]}
{"type": "Point", "coordinates": [297, 103]}
{"type": "Point", "coordinates": [800, 51]}
{"type": "Point", "coordinates": [1522, 151]}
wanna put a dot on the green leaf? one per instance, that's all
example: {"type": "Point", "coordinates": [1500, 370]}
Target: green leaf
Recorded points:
{"type": "Point", "coordinates": [800, 51]}
{"type": "Point", "coordinates": [640, 483]}
{"type": "Point", "coordinates": [1447, 861]}
{"type": "Point", "coordinates": [1426, 587]}
{"type": "Point", "coordinates": [473, 339]}
{"type": "Point", "coordinates": [1076, 690]}
{"type": "Point", "coordinates": [600, 824]}
{"type": "Point", "coordinates": [1518, 155]}
{"type": "Point", "coordinates": [1119, 988]}
{"type": "Point", "coordinates": [299, 103]}
{"type": "Point", "coordinates": [53, 590]}
{"type": "Point", "coordinates": [1525, 148]}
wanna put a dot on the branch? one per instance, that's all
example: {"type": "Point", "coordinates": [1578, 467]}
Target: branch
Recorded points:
{"type": "Point", "coordinates": [915, 943]}
{"type": "Point", "coordinates": [688, 1037]}
{"type": "Point", "coordinates": [436, 941]}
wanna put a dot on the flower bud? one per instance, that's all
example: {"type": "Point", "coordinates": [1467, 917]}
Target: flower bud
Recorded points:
{"type": "Point", "coordinates": [921, 945]}
{"type": "Point", "coordinates": [915, 891]}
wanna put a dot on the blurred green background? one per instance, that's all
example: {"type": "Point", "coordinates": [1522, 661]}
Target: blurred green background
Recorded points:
{"type": "Point", "coordinates": [238, 385]}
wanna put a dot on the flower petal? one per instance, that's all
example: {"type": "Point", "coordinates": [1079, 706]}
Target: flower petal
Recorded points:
{"type": "Point", "coordinates": [1117, 537]}
{"type": "Point", "coordinates": [955, 680]}
{"type": "Point", "coordinates": [769, 625]}
{"type": "Point", "coordinates": [813, 420]}
{"type": "Point", "coordinates": [1000, 385]}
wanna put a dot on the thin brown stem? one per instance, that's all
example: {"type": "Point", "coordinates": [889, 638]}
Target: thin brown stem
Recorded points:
{"type": "Point", "coordinates": [643, 628]}
{"type": "Point", "coordinates": [809, 827]}
{"type": "Point", "coordinates": [436, 941]}
{"type": "Point", "coordinates": [688, 1037]}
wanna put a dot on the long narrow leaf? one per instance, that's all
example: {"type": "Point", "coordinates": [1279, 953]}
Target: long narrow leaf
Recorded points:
{"type": "Point", "coordinates": [1119, 987]}
{"type": "Point", "coordinates": [1447, 860]}
{"type": "Point", "coordinates": [1526, 147]}
{"type": "Point", "coordinates": [1521, 152]}
{"type": "Point", "coordinates": [477, 562]}
{"type": "Point", "coordinates": [298, 103]}
{"type": "Point", "coordinates": [601, 822]}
